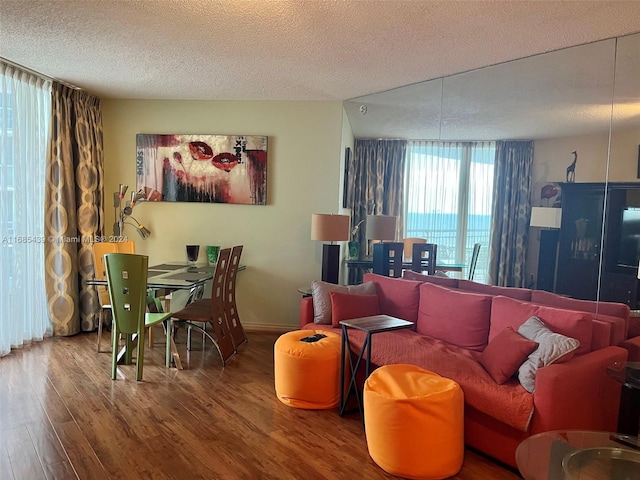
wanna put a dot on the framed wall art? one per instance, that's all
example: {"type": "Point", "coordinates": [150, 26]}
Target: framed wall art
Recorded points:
{"type": "Point", "coordinates": [202, 168]}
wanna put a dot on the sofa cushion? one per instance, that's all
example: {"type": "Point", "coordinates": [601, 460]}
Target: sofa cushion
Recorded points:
{"type": "Point", "coordinates": [397, 297]}
{"type": "Point", "coordinates": [438, 280]}
{"type": "Point", "coordinates": [505, 353]}
{"type": "Point", "coordinates": [321, 292]}
{"type": "Point", "coordinates": [460, 318]}
{"type": "Point", "coordinates": [508, 312]}
{"type": "Point", "coordinates": [552, 348]}
{"type": "Point", "coordinates": [345, 306]}
{"type": "Point", "coordinates": [511, 292]}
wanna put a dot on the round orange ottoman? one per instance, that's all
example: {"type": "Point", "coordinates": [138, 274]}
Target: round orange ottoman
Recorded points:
{"type": "Point", "coordinates": [307, 374]}
{"type": "Point", "coordinates": [414, 422]}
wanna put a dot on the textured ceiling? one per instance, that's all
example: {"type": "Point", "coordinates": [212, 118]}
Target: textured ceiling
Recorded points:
{"type": "Point", "coordinates": [298, 50]}
{"type": "Point", "coordinates": [288, 50]}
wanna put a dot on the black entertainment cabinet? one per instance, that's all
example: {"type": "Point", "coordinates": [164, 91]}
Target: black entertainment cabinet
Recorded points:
{"type": "Point", "coordinates": [581, 236]}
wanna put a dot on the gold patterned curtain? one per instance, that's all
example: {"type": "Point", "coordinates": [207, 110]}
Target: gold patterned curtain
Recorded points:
{"type": "Point", "coordinates": [376, 181]}
{"type": "Point", "coordinates": [510, 213]}
{"type": "Point", "coordinates": [74, 210]}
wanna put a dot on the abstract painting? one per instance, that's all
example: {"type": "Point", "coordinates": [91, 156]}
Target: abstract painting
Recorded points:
{"type": "Point", "coordinates": [202, 168]}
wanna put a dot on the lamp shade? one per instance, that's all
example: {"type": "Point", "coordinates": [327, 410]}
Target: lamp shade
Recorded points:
{"type": "Point", "coordinates": [546, 217]}
{"type": "Point", "coordinates": [381, 227]}
{"type": "Point", "coordinates": [329, 227]}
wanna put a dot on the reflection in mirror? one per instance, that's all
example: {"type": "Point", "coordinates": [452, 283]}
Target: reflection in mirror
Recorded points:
{"type": "Point", "coordinates": [619, 277]}
{"type": "Point", "coordinates": [560, 100]}
{"type": "Point", "coordinates": [561, 103]}
{"type": "Point", "coordinates": [411, 112]}
{"type": "Point", "coordinates": [625, 124]}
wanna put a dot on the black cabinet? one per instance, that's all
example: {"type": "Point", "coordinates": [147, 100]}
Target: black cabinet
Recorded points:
{"type": "Point", "coordinates": [619, 287]}
{"type": "Point", "coordinates": [581, 236]}
{"type": "Point", "coordinates": [580, 240]}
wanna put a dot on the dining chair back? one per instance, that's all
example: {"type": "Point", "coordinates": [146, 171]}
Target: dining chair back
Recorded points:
{"type": "Point", "coordinates": [218, 318]}
{"type": "Point", "coordinates": [238, 334]}
{"type": "Point", "coordinates": [127, 284]}
{"type": "Point", "coordinates": [387, 259]}
{"type": "Point", "coordinates": [423, 258]}
{"type": "Point", "coordinates": [100, 273]}
{"type": "Point", "coordinates": [211, 310]}
{"type": "Point", "coordinates": [474, 260]}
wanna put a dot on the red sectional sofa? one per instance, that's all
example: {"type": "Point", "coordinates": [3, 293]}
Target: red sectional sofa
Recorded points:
{"type": "Point", "coordinates": [455, 322]}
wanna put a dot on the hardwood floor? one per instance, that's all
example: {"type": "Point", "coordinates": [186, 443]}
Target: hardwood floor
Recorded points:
{"type": "Point", "coordinates": [62, 417]}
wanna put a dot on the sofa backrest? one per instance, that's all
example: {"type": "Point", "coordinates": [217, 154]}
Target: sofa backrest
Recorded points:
{"type": "Point", "coordinates": [396, 296]}
{"type": "Point", "coordinates": [438, 280]}
{"type": "Point", "coordinates": [523, 294]}
{"type": "Point", "coordinates": [617, 314]}
{"type": "Point", "coordinates": [508, 312]}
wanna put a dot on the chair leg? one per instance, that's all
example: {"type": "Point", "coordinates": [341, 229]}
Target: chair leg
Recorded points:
{"type": "Point", "coordinates": [114, 350]}
{"type": "Point", "coordinates": [100, 327]}
{"type": "Point", "coordinates": [140, 353]}
{"type": "Point", "coordinates": [103, 312]}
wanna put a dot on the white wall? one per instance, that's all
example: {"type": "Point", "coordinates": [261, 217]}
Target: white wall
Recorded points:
{"type": "Point", "coordinates": [303, 177]}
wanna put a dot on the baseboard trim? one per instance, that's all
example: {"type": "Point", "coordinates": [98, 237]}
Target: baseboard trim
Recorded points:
{"type": "Point", "coordinates": [261, 327]}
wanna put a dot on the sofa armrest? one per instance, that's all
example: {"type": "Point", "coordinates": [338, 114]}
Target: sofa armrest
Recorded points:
{"type": "Point", "coordinates": [306, 311]}
{"type": "Point", "coordinates": [632, 345]}
{"type": "Point", "coordinates": [578, 394]}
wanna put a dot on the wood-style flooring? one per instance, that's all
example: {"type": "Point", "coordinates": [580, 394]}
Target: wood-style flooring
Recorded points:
{"type": "Point", "coordinates": [62, 417]}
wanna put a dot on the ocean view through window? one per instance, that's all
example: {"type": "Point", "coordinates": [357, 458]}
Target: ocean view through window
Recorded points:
{"type": "Point", "coordinates": [448, 195]}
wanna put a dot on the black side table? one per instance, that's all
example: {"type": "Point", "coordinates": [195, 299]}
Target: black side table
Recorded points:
{"type": "Point", "coordinates": [629, 413]}
{"type": "Point", "coordinates": [370, 325]}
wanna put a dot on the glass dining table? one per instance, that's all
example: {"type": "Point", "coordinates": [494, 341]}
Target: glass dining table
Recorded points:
{"type": "Point", "coordinates": [358, 267]}
{"type": "Point", "coordinates": [166, 278]}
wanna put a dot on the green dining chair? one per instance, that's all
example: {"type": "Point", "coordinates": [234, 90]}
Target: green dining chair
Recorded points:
{"type": "Point", "coordinates": [127, 283]}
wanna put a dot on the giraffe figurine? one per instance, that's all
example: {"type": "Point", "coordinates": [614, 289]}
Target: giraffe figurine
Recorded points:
{"type": "Point", "coordinates": [571, 169]}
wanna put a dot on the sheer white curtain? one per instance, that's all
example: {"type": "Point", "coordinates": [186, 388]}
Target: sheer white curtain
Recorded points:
{"type": "Point", "coordinates": [25, 112]}
{"type": "Point", "coordinates": [448, 194]}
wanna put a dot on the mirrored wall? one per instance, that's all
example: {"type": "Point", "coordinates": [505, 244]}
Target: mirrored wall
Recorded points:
{"type": "Point", "coordinates": [583, 99]}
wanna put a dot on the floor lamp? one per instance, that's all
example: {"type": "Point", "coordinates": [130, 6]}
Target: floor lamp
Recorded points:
{"type": "Point", "coordinates": [331, 228]}
{"type": "Point", "coordinates": [548, 219]}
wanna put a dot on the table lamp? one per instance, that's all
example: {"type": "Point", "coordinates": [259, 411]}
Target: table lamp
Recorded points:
{"type": "Point", "coordinates": [332, 228]}
{"type": "Point", "coordinates": [380, 227]}
{"type": "Point", "coordinates": [549, 219]}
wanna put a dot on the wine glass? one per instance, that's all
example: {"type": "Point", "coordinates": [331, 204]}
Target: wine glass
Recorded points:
{"type": "Point", "coordinates": [192, 254]}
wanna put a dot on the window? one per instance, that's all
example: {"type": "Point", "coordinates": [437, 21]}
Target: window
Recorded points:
{"type": "Point", "coordinates": [448, 195]}
{"type": "Point", "coordinates": [25, 112]}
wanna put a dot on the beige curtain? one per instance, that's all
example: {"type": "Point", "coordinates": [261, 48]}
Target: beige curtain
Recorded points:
{"type": "Point", "coordinates": [510, 213]}
{"type": "Point", "coordinates": [74, 210]}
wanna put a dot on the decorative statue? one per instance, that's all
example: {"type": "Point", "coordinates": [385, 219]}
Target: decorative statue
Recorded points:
{"type": "Point", "coordinates": [571, 169]}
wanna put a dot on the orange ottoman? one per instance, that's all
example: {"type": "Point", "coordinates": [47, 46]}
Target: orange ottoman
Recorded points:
{"type": "Point", "coordinates": [414, 422]}
{"type": "Point", "coordinates": [307, 374]}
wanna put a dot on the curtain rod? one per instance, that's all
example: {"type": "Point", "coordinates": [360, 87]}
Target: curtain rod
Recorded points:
{"type": "Point", "coordinates": [41, 75]}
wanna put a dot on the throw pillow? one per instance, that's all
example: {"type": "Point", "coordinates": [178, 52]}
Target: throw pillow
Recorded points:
{"type": "Point", "coordinates": [552, 347]}
{"type": "Point", "coordinates": [321, 292]}
{"type": "Point", "coordinates": [345, 306]}
{"type": "Point", "coordinates": [505, 353]}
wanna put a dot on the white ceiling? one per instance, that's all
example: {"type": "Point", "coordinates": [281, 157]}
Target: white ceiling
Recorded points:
{"type": "Point", "coordinates": [287, 50]}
